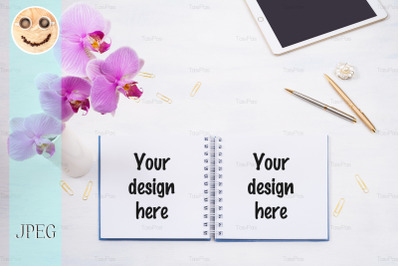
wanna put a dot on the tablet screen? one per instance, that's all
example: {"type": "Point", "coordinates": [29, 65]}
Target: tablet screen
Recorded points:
{"type": "Point", "coordinates": [295, 21]}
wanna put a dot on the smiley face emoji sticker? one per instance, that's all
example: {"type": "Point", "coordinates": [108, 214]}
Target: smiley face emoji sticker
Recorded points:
{"type": "Point", "coordinates": [35, 30]}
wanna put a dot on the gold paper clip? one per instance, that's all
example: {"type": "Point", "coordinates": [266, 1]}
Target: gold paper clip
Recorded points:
{"type": "Point", "coordinates": [66, 188]}
{"type": "Point", "coordinates": [87, 190]}
{"type": "Point", "coordinates": [362, 184]}
{"type": "Point", "coordinates": [338, 208]}
{"type": "Point", "coordinates": [147, 75]}
{"type": "Point", "coordinates": [164, 98]}
{"type": "Point", "coordinates": [195, 89]}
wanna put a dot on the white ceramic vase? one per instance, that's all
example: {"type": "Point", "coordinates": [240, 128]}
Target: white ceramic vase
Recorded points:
{"type": "Point", "coordinates": [76, 158]}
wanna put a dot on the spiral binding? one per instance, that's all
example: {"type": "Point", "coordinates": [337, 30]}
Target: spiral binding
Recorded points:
{"type": "Point", "coordinates": [213, 187]}
{"type": "Point", "coordinates": [218, 190]}
{"type": "Point", "coordinates": [208, 172]}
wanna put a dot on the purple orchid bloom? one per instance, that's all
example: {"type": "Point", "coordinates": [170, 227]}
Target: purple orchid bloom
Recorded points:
{"type": "Point", "coordinates": [114, 76]}
{"type": "Point", "coordinates": [63, 97]}
{"type": "Point", "coordinates": [83, 31]}
{"type": "Point", "coordinates": [33, 135]}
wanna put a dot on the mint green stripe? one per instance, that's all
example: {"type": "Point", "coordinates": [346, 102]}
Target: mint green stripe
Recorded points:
{"type": "Point", "coordinates": [35, 193]}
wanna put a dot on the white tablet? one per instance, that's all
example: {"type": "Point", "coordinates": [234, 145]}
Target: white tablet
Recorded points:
{"type": "Point", "coordinates": [291, 24]}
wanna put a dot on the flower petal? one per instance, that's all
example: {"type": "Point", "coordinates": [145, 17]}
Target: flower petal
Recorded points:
{"type": "Point", "coordinates": [20, 146]}
{"type": "Point", "coordinates": [75, 96]}
{"type": "Point", "coordinates": [84, 105]}
{"type": "Point", "coordinates": [17, 124]}
{"type": "Point", "coordinates": [39, 149]}
{"type": "Point", "coordinates": [122, 62]}
{"type": "Point", "coordinates": [80, 19]}
{"type": "Point", "coordinates": [104, 95]}
{"type": "Point", "coordinates": [54, 102]}
{"type": "Point", "coordinates": [107, 27]}
{"type": "Point", "coordinates": [50, 150]}
{"type": "Point", "coordinates": [50, 102]}
{"type": "Point", "coordinates": [132, 75]}
{"type": "Point", "coordinates": [43, 80]}
{"type": "Point", "coordinates": [96, 43]}
{"type": "Point", "coordinates": [42, 124]}
{"type": "Point", "coordinates": [74, 58]}
{"type": "Point", "coordinates": [96, 35]}
{"type": "Point", "coordinates": [79, 85]}
{"type": "Point", "coordinates": [93, 68]}
{"type": "Point", "coordinates": [45, 147]}
{"type": "Point", "coordinates": [104, 47]}
{"type": "Point", "coordinates": [131, 90]}
{"type": "Point", "coordinates": [55, 105]}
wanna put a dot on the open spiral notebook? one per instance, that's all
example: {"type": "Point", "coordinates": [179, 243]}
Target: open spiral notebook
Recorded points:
{"type": "Point", "coordinates": [229, 188]}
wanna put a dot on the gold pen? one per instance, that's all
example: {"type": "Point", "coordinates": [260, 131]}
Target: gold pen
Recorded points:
{"type": "Point", "coordinates": [346, 98]}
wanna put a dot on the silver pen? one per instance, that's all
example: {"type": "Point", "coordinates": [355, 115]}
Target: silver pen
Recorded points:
{"type": "Point", "coordinates": [326, 107]}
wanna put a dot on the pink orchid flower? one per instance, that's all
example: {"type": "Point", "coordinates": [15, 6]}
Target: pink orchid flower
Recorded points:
{"type": "Point", "coordinates": [83, 31]}
{"type": "Point", "coordinates": [114, 76]}
{"type": "Point", "coordinates": [63, 97]}
{"type": "Point", "coordinates": [33, 135]}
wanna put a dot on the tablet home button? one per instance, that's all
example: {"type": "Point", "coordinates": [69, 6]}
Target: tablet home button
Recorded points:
{"type": "Point", "coordinates": [260, 19]}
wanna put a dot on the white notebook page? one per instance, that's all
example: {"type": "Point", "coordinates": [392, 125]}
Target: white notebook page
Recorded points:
{"type": "Point", "coordinates": [185, 169]}
{"type": "Point", "coordinates": [306, 215]}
